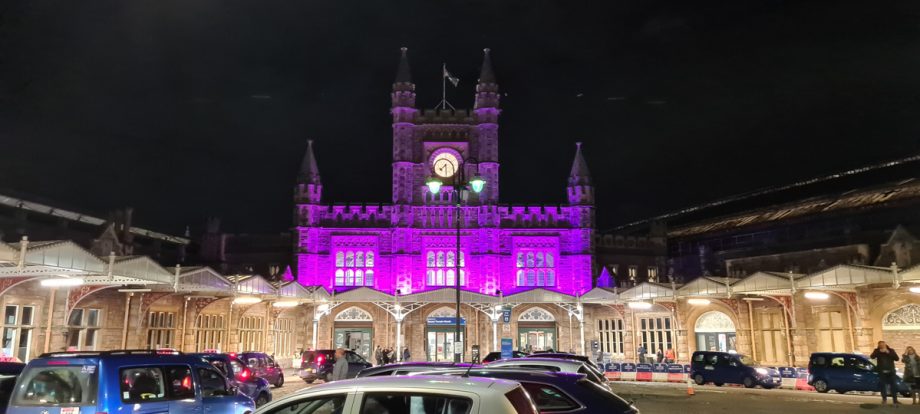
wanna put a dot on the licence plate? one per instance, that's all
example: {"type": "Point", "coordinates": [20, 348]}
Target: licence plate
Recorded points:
{"type": "Point", "coordinates": [70, 410]}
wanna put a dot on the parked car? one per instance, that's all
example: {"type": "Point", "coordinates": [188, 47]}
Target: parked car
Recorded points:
{"type": "Point", "coordinates": [730, 368]}
{"type": "Point", "coordinates": [140, 382]}
{"type": "Point", "coordinates": [846, 372]}
{"type": "Point", "coordinates": [555, 391]}
{"type": "Point", "coordinates": [428, 394]}
{"type": "Point", "coordinates": [559, 355]}
{"type": "Point", "coordinates": [495, 356]}
{"type": "Point", "coordinates": [9, 371]}
{"type": "Point", "coordinates": [404, 368]}
{"type": "Point", "coordinates": [554, 365]}
{"type": "Point", "coordinates": [240, 376]}
{"type": "Point", "coordinates": [264, 366]}
{"type": "Point", "coordinates": [320, 364]}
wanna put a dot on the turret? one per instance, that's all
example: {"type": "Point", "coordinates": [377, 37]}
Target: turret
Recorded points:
{"type": "Point", "coordinates": [309, 187]}
{"type": "Point", "coordinates": [486, 111]}
{"type": "Point", "coordinates": [580, 189]}
{"type": "Point", "coordinates": [404, 113]}
{"type": "Point", "coordinates": [403, 95]}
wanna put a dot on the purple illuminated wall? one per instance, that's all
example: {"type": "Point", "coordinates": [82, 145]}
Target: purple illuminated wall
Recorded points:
{"type": "Point", "coordinates": [507, 247]}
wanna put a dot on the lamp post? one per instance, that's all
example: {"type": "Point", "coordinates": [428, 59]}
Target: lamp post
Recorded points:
{"type": "Point", "coordinates": [475, 185]}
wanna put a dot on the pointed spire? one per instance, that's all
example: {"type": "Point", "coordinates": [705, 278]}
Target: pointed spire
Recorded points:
{"type": "Point", "coordinates": [486, 75]}
{"type": "Point", "coordinates": [580, 174]}
{"type": "Point", "coordinates": [309, 172]}
{"type": "Point", "coordinates": [403, 74]}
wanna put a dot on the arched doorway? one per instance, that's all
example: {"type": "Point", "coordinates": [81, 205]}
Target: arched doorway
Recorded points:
{"type": "Point", "coordinates": [715, 331]}
{"type": "Point", "coordinates": [900, 326]}
{"type": "Point", "coordinates": [536, 330]}
{"type": "Point", "coordinates": [440, 330]}
{"type": "Point", "coordinates": [354, 330]}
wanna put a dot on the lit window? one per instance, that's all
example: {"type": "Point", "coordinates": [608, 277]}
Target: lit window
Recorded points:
{"type": "Point", "coordinates": [536, 268]}
{"type": "Point", "coordinates": [442, 268]}
{"type": "Point", "coordinates": [633, 272]}
{"type": "Point", "coordinates": [354, 268]}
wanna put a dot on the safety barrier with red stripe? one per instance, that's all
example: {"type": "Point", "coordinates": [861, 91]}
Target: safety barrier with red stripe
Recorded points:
{"type": "Point", "coordinates": [792, 378]}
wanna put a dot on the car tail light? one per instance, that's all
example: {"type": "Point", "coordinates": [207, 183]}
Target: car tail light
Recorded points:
{"type": "Point", "coordinates": [232, 354]}
{"type": "Point", "coordinates": [245, 374]}
{"type": "Point", "coordinates": [320, 360]}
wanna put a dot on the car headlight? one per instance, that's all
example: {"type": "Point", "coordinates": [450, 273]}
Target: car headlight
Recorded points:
{"type": "Point", "coordinates": [762, 371]}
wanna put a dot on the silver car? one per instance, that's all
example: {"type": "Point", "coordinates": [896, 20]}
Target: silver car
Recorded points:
{"type": "Point", "coordinates": [416, 395]}
{"type": "Point", "coordinates": [555, 365]}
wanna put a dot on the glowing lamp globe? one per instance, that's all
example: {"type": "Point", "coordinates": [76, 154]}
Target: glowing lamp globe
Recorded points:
{"type": "Point", "coordinates": [477, 184]}
{"type": "Point", "coordinates": [434, 185]}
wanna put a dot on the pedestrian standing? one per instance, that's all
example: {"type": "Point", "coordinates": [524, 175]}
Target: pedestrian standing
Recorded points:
{"type": "Point", "coordinates": [640, 354]}
{"type": "Point", "coordinates": [406, 355]}
{"type": "Point", "coordinates": [378, 355]}
{"type": "Point", "coordinates": [660, 356]}
{"type": "Point", "coordinates": [912, 371]}
{"type": "Point", "coordinates": [340, 369]}
{"type": "Point", "coordinates": [885, 358]}
{"type": "Point", "coordinates": [669, 356]}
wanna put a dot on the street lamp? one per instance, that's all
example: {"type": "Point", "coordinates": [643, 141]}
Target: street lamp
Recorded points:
{"type": "Point", "coordinates": [476, 185]}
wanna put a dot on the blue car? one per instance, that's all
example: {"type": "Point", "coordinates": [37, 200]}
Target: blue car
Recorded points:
{"type": "Point", "coordinates": [846, 372]}
{"type": "Point", "coordinates": [730, 368]}
{"type": "Point", "coordinates": [241, 377]}
{"type": "Point", "coordinates": [140, 382]}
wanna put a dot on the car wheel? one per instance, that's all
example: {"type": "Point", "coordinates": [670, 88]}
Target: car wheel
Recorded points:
{"type": "Point", "coordinates": [261, 400]}
{"type": "Point", "coordinates": [280, 381]}
{"type": "Point", "coordinates": [821, 386]}
{"type": "Point", "coordinates": [698, 379]}
{"type": "Point", "coordinates": [905, 394]}
{"type": "Point", "coordinates": [308, 381]}
{"type": "Point", "coordinates": [748, 382]}
{"type": "Point", "coordinates": [719, 384]}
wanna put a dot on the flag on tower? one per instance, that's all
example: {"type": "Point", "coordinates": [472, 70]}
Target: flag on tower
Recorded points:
{"type": "Point", "coordinates": [453, 79]}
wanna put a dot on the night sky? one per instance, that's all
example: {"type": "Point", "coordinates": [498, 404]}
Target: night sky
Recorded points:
{"type": "Point", "coordinates": [185, 109]}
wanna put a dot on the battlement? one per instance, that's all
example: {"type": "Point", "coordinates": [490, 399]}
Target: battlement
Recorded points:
{"type": "Point", "coordinates": [447, 116]}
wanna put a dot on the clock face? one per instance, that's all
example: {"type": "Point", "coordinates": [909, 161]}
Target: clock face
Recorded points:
{"type": "Point", "coordinates": [445, 164]}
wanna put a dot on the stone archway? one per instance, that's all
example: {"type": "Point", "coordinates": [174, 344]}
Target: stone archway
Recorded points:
{"type": "Point", "coordinates": [901, 326]}
{"type": "Point", "coordinates": [353, 328]}
{"type": "Point", "coordinates": [537, 330]}
{"type": "Point", "coordinates": [715, 331]}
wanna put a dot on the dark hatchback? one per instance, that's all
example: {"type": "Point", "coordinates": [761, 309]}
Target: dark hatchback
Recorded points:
{"type": "Point", "coordinates": [846, 372]}
{"type": "Point", "coordinates": [263, 365]}
{"type": "Point", "coordinates": [556, 392]}
{"type": "Point", "coordinates": [404, 368]}
{"type": "Point", "coordinates": [240, 376]}
{"type": "Point", "coordinates": [318, 364]}
{"type": "Point", "coordinates": [730, 368]}
{"type": "Point", "coordinates": [9, 371]}
{"type": "Point", "coordinates": [495, 356]}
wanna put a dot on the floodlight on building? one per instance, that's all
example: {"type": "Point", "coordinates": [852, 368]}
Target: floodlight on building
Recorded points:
{"type": "Point", "coordinates": [62, 282]}
{"type": "Point", "coordinates": [698, 301]}
{"type": "Point", "coordinates": [285, 304]}
{"type": "Point", "coordinates": [816, 295]}
{"type": "Point", "coordinates": [246, 300]}
{"type": "Point", "coordinates": [639, 305]}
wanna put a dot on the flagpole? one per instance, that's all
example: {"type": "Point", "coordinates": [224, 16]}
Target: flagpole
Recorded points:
{"type": "Point", "coordinates": [443, 86]}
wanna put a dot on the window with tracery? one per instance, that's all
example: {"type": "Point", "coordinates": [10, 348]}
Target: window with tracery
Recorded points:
{"type": "Point", "coordinates": [442, 267]}
{"type": "Point", "coordinates": [536, 268]}
{"type": "Point", "coordinates": [354, 267]}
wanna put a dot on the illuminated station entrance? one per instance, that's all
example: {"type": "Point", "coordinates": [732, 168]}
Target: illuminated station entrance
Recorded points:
{"type": "Point", "coordinates": [440, 330]}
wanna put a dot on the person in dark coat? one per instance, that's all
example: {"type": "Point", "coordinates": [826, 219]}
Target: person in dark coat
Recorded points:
{"type": "Point", "coordinates": [912, 371]}
{"type": "Point", "coordinates": [660, 356]}
{"type": "Point", "coordinates": [378, 355]}
{"type": "Point", "coordinates": [885, 358]}
{"type": "Point", "coordinates": [406, 355]}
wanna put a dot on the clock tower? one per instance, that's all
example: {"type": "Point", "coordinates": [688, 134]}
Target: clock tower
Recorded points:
{"type": "Point", "coordinates": [440, 142]}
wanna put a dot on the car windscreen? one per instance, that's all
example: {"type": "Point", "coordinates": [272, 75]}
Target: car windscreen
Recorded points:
{"type": "Point", "coordinates": [55, 385]}
{"type": "Point", "coordinates": [612, 402]}
{"type": "Point", "coordinates": [746, 360]}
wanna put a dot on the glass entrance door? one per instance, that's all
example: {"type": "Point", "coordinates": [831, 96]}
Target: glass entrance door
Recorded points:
{"type": "Point", "coordinates": [441, 344]}
{"type": "Point", "coordinates": [355, 339]}
{"type": "Point", "coordinates": [536, 339]}
{"type": "Point", "coordinates": [715, 341]}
